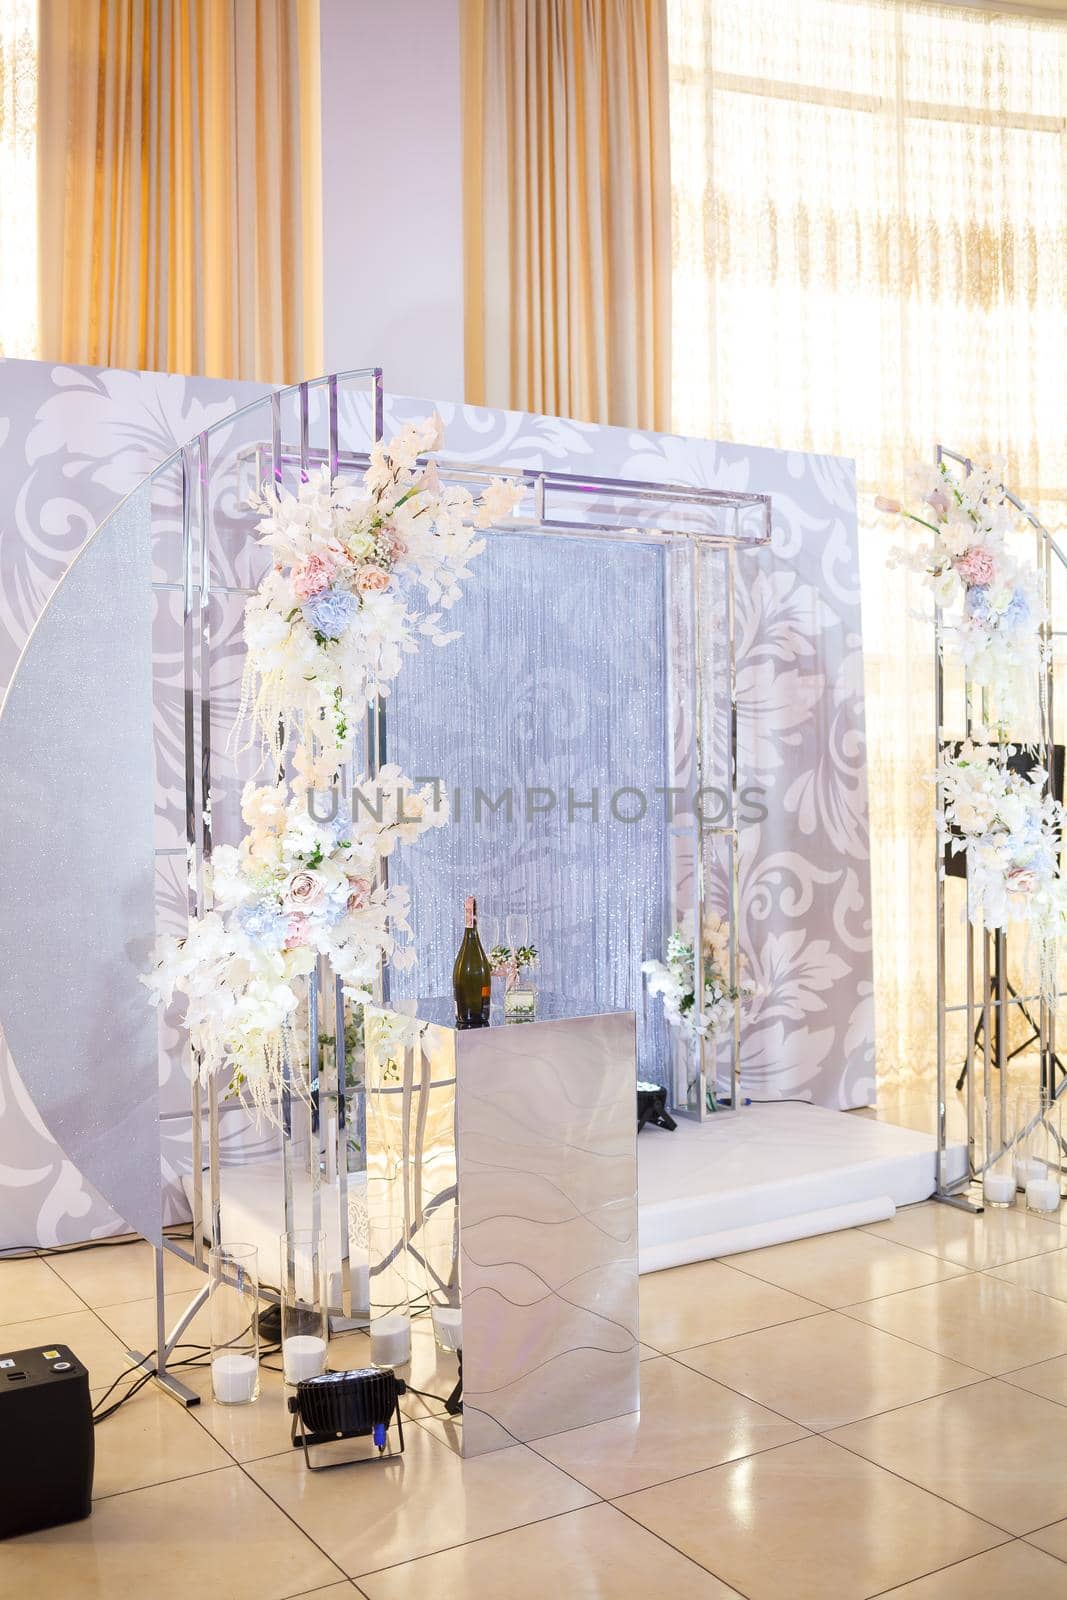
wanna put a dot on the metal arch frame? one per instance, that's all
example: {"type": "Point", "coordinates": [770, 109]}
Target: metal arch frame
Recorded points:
{"type": "Point", "coordinates": [962, 1192]}
{"type": "Point", "coordinates": [735, 520]}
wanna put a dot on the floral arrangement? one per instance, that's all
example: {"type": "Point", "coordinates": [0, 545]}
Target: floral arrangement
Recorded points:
{"type": "Point", "coordinates": [507, 963]}
{"type": "Point", "coordinates": [673, 980]}
{"type": "Point", "coordinates": [360, 575]}
{"type": "Point", "coordinates": [293, 890]}
{"type": "Point", "coordinates": [995, 601]}
{"type": "Point", "coordinates": [1008, 826]}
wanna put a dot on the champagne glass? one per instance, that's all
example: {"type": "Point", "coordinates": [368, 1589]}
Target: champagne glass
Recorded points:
{"type": "Point", "coordinates": [489, 932]}
{"type": "Point", "coordinates": [520, 1002]}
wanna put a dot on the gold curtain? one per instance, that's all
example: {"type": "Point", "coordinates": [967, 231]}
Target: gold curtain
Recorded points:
{"type": "Point", "coordinates": [870, 257]}
{"type": "Point", "coordinates": [18, 193]}
{"type": "Point", "coordinates": [567, 208]}
{"type": "Point", "coordinates": [179, 186]}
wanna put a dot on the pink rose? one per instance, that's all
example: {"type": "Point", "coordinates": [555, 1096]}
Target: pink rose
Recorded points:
{"type": "Point", "coordinates": [312, 578]}
{"type": "Point", "coordinates": [359, 891]}
{"type": "Point", "coordinates": [303, 889]}
{"type": "Point", "coordinates": [372, 580]}
{"type": "Point", "coordinates": [976, 566]}
{"type": "Point", "coordinates": [299, 928]}
{"type": "Point", "coordinates": [1021, 880]}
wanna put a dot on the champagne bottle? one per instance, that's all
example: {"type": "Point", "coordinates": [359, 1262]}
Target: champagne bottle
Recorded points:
{"type": "Point", "coordinates": [471, 975]}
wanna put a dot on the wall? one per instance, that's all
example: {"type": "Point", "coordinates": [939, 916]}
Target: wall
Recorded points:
{"type": "Point", "coordinates": [73, 441]}
{"type": "Point", "coordinates": [392, 191]}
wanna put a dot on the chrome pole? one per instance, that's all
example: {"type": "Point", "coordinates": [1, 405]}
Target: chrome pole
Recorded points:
{"type": "Point", "coordinates": [939, 964]}
{"type": "Point", "coordinates": [190, 605]}
{"type": "Point", "coordinates": [734, 838]}
{"type": "Point", "coordinates": [203, 473]}
{"type": "Point", "coordinates": [700, 1048]}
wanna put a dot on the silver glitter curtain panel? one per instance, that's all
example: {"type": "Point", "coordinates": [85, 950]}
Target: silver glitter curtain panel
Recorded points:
{"type": "Point", "coordinates": [545, 723]}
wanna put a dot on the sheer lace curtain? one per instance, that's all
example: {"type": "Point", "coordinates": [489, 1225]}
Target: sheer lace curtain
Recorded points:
{"type": "Point", "coordinates": [870, 256]}
{"type": "Point", "coordinates": [18, 177]}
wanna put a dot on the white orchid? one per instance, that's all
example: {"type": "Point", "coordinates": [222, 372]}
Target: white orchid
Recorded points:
{"type": "Point", "coordinates": [673, 980]}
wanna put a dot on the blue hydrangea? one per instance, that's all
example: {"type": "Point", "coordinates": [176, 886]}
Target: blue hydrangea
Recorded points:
{"type": "Point", "coordinates": [331, 612]}
{"type": "Point", "coordinates": [340, 825]}
{"type": "Point", "coordinates": [264, 922]}
{"type": "Point", "coordinates": [1016, 612]}
{"type": "Point", "coordinates": [978, 602]}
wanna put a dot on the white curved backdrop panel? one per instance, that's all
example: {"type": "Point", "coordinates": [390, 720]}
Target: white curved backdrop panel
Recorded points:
{"type": "Point", "coordinates": [77, 868]}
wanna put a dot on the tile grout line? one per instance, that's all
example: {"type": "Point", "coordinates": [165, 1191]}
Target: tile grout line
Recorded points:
{"type": "Point", "coordinates": [664, 1540]}
{"type": "Point", "coordinates": [302, 1531]}
{"type": "Point", "coordinates": [820, 1432]}
{"type": "Point", "coordinates": [805, 1316]}
{"type": "Point", "coordinates": [935, 1493]}
{"type": "Point", "coordinates": [887, 1594]}
{"type": "Point", "coordinates": [482, 1538]}
{"type": "Point", "coordinates": [597, 1499]}
{"type": "Point", "coordinates": [1045, 1526]}
{"type": "Point", "coordinates": [847, 1311]}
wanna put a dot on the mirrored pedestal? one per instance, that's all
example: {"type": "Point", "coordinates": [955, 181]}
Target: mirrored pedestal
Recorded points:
{"type": "Point", "coordinates": [502, 1188]}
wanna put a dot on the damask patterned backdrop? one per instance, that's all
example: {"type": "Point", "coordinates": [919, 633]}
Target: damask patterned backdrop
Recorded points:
{"type": "Point", "coordinates": [74, 441]}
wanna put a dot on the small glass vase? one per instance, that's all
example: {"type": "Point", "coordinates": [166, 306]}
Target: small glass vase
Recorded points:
{"type": "Point", "coordinates": [520, 1001]}
{"type": "Point", "coordinates": [233, 1283]}
{"type": "Point", "coordinates": [305, 1330]}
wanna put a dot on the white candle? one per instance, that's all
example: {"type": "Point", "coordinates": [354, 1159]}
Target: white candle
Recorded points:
{"type": "Point", "coordinates": [303, 1356]}
{"type": "Point", "coordinates": [1025, 1169]}
{"type": "Point", "coordinates": [234, 1379]}
{"type": "Point", "coordinates": [448, 1327]}
{"type": "Point", "coordinates": [1042, 1194]}
{"type": "Point", "coordinates": [999, 1188]}
{"type": "Point", "coordinates": [390, 1340]}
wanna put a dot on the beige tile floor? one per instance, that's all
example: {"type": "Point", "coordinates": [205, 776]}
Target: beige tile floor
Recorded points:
{"type": "Point", "coordinates": [877, 1412]}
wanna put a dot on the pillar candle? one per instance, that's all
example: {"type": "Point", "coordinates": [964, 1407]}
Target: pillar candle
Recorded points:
{"type": "Point", "coordinates": [1042, 1194]}
{"type": "Point", "coordinates": [448, 1327]}
{"type": "Point", "coordinates": [390, 1340]}
{"type": "Point", "coordinates": [998, 1188]}
{"type": "Point", "coordinates": [234, 1378]}
{"type": "Point", "coordinates": [303, 1356]}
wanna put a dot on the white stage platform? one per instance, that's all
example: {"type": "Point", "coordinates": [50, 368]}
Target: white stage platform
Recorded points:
{"type": "Point", "coordinates": [774, 1172]}
{"type": "Point", "coordinates": [738, 1181]}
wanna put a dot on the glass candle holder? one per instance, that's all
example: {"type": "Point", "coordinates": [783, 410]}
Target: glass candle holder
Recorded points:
{"type": "Point", "coordinates": [302, 1279]}
{"type": "Point", "coordinates": [439, 1245]}
{"type": "Point", "coordinates": [390, 1310]}
{"type": "Point", "coordinates": [233, 1279]}
{"type": "Point", "coordinates": [998, 1151]}
{"type": "Point", "coordinates": [1044, 1143]}
{"type": "Point", "coordinates": [1025, 1165]}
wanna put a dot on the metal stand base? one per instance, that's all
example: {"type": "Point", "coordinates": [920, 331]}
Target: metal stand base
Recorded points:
{"type": "Point", "coordinates": [166, 1380]}
{"type": "Point", "coordinates": [962, 1199]}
